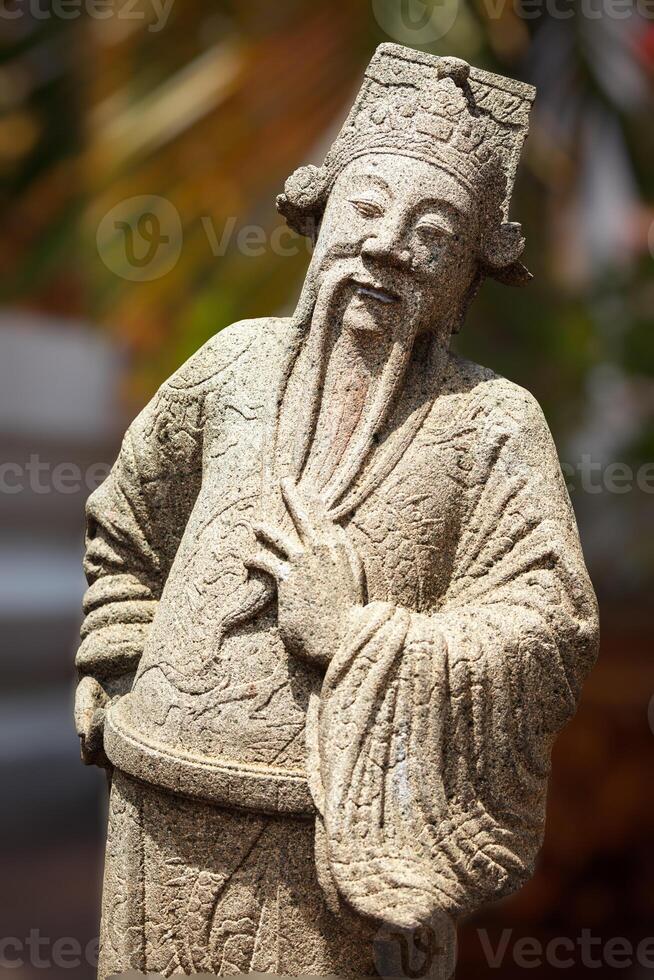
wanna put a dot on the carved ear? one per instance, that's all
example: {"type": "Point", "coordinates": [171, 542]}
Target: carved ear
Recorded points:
{"type": "Point", "coordinates": [502, 246]}
{"type": "Point", "coordinates": [303, 200]}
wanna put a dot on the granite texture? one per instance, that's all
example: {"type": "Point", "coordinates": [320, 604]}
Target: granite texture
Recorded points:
{"type": "Point", "coordinates": [337, 606]}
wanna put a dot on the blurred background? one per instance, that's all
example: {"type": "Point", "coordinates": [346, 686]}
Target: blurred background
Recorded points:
{"type": "Point", "coordinates": [142, 143]}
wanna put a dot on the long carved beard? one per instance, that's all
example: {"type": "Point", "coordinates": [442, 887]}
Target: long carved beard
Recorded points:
{"type": "Point", "coordinates": [330, 284]}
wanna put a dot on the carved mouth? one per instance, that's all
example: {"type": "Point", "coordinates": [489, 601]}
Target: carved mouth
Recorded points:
{"type": "Point", "coordinates": [374, 292]}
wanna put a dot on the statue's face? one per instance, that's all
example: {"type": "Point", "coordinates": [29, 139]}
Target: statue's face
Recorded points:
{"type": "Point", "coordinates": [404, 234]}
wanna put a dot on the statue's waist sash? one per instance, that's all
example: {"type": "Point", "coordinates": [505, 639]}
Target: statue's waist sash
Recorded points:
{"type": "Point", "coordinates": [224, 782]}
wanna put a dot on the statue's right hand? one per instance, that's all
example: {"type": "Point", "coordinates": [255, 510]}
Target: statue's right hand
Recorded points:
{"type": "Point", "coordinates": [90, 702]}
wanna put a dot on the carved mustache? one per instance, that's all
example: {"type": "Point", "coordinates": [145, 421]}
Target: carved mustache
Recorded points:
{"type": "Point", "coordinates": [386, 287]}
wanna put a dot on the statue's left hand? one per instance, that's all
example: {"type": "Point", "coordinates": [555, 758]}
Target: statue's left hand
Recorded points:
{"type": "Point", "coordinates": [90, 702]}
{"type": "Point", "coordinates": [319, 577]}
{"type": "Point", "coordinates": [92, 698]}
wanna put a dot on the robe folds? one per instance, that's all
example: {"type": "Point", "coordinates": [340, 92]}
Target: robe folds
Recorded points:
{"type": "Point", "coordinates": [423, 752]}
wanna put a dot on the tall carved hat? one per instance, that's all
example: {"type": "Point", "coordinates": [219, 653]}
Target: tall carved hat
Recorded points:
{"type": "Point", "coordinates": [469, 122]}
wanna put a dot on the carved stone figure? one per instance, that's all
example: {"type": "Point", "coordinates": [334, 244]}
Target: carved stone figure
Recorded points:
{"type": "Point", "coordinates": [337, 608]}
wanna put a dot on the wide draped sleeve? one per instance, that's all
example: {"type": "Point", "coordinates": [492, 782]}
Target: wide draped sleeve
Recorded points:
{"type": "Point", "coordinates": [429, 745]}
{"type": "Point", "coordinates": [135, 521]}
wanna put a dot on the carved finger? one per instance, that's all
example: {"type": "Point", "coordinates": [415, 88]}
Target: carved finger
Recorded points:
{"type": "Point", "coordinates": [356, 565]}
{"type": "Point", "coordinates": [265, 562]}
{"type": "Point", "coordinates": [348, 553]}
{"type": "Point", "coordinates": [300, 515]}
{"type": "Point", "coordinates": [276, 539]}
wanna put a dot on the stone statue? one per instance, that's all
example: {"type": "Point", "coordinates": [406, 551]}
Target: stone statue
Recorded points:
{"type": "Point", "coordinates": [338, 608]}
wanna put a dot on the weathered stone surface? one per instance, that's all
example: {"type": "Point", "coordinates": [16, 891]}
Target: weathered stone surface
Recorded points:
{"type": "Point", "coordinates": [338, 608]}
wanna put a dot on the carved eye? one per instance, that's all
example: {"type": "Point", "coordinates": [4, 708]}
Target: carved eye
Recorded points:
{"type": "Point", "coordinates": [367, 207]}
{"type": "Point", "coordinates": [434, 229]}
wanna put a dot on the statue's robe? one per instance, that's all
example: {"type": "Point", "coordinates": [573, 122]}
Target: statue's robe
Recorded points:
{"type": "Point", "coordinates": [261, 810]}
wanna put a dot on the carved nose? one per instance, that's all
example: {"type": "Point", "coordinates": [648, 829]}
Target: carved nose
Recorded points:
{"type": "Point", "coordinates": [389, 252]}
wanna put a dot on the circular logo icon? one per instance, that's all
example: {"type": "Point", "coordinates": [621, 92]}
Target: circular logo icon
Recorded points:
{"type": "Point", "coordinates": [425, 953]}
{"type": "Point", "coordinates": [140, 239]}
{"type": "Point", "coordinates": [414, 22]}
